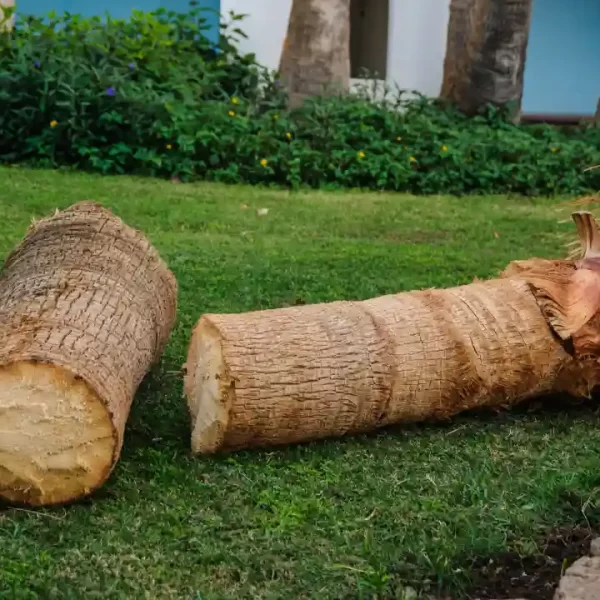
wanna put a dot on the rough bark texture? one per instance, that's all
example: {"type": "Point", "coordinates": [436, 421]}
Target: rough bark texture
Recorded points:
{"type": "Point", "coordinates": [316, 54]}
{"type": "Point", "coordinates": [486, 53]}
{"type": "Point", "coordinates": [296, 374]}
{"type": "Point", "coordinates": [581, 580]}
{"type": "Point", "coordinates": [86, 305]}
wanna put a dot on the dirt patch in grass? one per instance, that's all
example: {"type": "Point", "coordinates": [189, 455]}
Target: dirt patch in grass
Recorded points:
{"type": "Point", "coordinates": [535, 577]}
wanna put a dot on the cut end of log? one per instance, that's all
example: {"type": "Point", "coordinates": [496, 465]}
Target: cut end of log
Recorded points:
{"type": "Point", "coordinates": [206, 388]}
{"type": "Point", "coordinates": [57, 441]}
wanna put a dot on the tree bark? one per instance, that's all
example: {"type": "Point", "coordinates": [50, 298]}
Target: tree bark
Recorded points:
{"type": "Point", "coordinates": [86, 305]}
{"type": "Point", "coordinates": [316, 55]}
{"type": "Point", "coordinates": [486, 53]}
{"type": "Point", "coordinates": [296, 374]}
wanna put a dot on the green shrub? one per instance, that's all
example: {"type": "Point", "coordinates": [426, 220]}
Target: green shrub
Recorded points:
{"type": "Point", "coordinates": [151, 95]}
{"type": "Point", "coordinates": [103, 95]}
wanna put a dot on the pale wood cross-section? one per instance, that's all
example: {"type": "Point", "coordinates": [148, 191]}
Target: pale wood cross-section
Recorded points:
{"type": "Point", "coordinates": [86, 306]}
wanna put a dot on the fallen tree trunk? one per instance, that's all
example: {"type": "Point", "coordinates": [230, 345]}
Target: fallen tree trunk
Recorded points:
{"type": "Point", "coordinates": [297, 374]}
{"type": "Point", "coordinates": [86, 305]}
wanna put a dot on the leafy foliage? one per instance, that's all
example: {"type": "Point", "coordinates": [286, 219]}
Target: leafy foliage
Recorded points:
{"type": "Point", "coordinates": [112, 95]}
{"type": "Point", "coordinates": [151, 95]}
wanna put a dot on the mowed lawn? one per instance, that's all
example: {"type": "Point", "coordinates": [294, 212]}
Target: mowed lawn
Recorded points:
{"type": "Point", "coordinates": [358, 517]}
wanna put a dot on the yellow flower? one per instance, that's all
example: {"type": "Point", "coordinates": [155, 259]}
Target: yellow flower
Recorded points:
{"type": "Point", "coordinates": [398, 139]}
{"type": "Point", "coordinates": [288, 135]}
{"type": "Point", "coordinates": [53, 123]}
{"type": "Point", "coordinates": [264, 162]}
{"type": "Point", "coordinates": [361, 154]}
{"type": "Point", "coordinates": [168, 147]}
{"type": "Point", "coordinates": [412, 159]}
{"type": "Point", "coordinates": [554, 149]}
{"type": "Point", "coordinates": [235, 100]}
{"type": "Point", "coordinates": [275, 117]}
{"type": "Point", "coordinates": [231, 113]}
{"type": "Point", "coordinates": [444, 148]}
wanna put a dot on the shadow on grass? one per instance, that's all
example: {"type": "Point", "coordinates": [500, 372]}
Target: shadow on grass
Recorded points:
{"type": "Point", "coordinates": [539, 408]}
{"type": "Point", "coordinates": [160, 418]}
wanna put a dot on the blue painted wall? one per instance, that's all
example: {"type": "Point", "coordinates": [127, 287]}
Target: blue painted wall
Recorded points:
{"type": "Point", "coordinates": [118, 8]}
{"type": "Point", "coordinates": [562, 72]}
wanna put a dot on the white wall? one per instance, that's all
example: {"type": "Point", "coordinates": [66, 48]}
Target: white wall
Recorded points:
{"type": "Point", "coordinates": [416, 47]}
{"type": "Point", "coordinates": [6, 23]}
{"type": "Point", "coordinates": [265, 26]}
{"type": "Point", "coordinates": [417, 44]}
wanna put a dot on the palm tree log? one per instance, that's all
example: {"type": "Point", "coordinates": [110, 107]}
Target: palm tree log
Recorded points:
{"type": "Point", "coordinates": [86, 306]}
{"type": "Point", "coordinates": [296, 374]}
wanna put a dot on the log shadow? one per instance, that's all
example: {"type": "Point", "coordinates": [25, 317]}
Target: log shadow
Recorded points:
{"type": "Point", "coordinates": [539, 407]}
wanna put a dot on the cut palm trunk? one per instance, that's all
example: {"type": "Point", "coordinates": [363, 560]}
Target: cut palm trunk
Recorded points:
{"type": "Point", "coordinates": [86, 306]}
{"type": "Point", "coordinates": [297, 374]}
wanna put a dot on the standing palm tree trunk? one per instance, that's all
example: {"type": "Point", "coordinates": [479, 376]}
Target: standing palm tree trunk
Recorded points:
{"type": "Point", "coordinates": [316, 52]}
{"type": "Point", "coordinates": [485, 53]}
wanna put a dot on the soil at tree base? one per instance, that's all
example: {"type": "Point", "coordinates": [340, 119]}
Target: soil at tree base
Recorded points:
{"type": "Point", "coordinates": [534, 577]}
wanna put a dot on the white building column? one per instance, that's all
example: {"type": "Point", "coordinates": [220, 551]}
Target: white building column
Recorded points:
{"type": "Point", "coordinates": [417, 44]}
{"type": "Point", "coordinates": [417, 33]}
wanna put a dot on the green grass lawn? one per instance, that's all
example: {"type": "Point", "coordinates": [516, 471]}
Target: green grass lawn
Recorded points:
{"type": "Point", "coordinates": [358, 517]}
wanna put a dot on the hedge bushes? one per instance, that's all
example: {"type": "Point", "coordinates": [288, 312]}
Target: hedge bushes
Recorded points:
{"type": "Point", "coordinates": [151, 95]}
